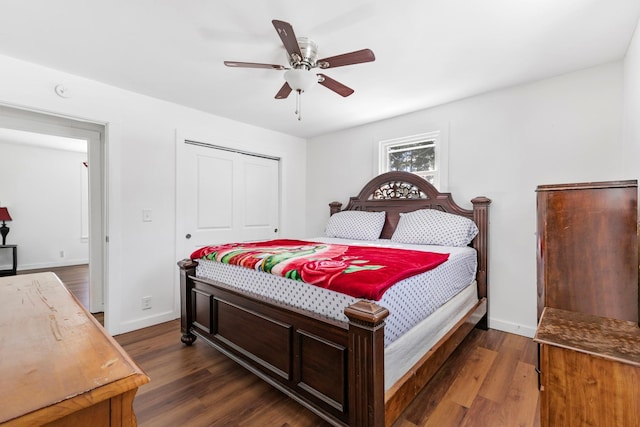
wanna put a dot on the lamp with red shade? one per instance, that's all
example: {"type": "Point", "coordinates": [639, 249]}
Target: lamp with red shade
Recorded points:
{"type": "Point", "coordinates": [4, 230]}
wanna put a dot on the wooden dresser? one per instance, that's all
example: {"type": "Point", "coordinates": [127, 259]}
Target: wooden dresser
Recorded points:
{"type": "Point", "coordinates": [590, 370]}
{"type": "Point", "coordinates": [58, 365]}
{"type": "Point", "coordinates": [587, 258]}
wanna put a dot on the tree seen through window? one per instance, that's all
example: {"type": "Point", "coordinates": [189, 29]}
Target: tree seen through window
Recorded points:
{"type": "Point", "coordinates": [418, 158]}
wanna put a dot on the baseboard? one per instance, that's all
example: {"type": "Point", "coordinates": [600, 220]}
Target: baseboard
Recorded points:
{"type": "Point", "coordinates": [41, 265]}
{"type": "Point", "coordinates": [513, 328]}
{"type": "Point", "coordinates": [135, 324]}
{"type": "Point", "coordinates": [167, 316]}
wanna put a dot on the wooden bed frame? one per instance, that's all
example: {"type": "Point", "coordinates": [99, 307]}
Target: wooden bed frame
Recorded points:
{"type": "Point", "coordinates": [335, 369]}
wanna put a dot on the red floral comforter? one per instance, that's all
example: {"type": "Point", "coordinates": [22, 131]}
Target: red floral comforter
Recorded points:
{"type": "Point", "coordinates": [359, 271]}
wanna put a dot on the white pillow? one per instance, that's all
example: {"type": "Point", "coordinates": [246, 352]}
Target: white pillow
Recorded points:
{"type": "Point", "coordinates": [358, 225]}
{"type": "Point", "coordinates": [433, 227]}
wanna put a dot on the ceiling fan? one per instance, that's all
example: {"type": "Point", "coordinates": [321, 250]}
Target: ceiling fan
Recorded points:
{"type": "Point", "coordinates": [302, 54]}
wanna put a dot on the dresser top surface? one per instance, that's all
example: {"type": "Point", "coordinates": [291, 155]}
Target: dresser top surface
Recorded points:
{"type": "Point", "coordinates": [603, 337]}
{"type": "Point", "coordinates": [53, 350]}
{"type": "Point", "coordinates": [587, 185]}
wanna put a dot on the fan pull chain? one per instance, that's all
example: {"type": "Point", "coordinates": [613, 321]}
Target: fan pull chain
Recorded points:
{"type": "Point", "coordinates": [299, 104]}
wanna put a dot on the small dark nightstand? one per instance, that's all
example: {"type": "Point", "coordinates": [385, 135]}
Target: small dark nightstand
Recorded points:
{"type": "Point", "coordinates": [12, 271]}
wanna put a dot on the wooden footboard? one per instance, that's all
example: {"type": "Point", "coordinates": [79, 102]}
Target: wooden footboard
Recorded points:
{"type": "Point", "coordinates": [335, 369]}
{"type": "Point", "coordinates": [316, 361]}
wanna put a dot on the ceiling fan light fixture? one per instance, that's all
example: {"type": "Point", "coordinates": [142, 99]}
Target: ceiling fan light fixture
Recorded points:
{"type": "Point", "coordinates": [302, 54]}
{"type": "Point", "coordinates": [301, 80]}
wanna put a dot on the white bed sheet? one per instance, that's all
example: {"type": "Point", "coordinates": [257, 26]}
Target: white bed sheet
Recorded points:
{"type": "Point", "coordinates": [409, 302]}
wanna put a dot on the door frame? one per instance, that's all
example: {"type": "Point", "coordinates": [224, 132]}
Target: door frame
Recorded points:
{"type": "Point", "coordinates": [94, 133]}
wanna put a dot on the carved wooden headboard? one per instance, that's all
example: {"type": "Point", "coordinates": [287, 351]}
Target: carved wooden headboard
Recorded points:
{"type": "Point", "coordinates": [397, 192]}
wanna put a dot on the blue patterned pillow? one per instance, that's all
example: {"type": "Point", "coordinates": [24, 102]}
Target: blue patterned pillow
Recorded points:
{"type": "Point", "coordinates": [358, 225]}
{"type": "Point", "coordinates": [433, 227]}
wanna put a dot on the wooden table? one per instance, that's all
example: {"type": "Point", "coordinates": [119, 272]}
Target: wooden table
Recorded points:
{"type": "Point", "coordinates": [590, 370]}
{"type": "Point", "coordinates": [58, 366]}
{"type": "Point", "coordinates": [14, 260]}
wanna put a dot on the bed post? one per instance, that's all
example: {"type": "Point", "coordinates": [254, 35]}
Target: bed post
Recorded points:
{"type": "Point", "coordinates": [187, 268]}
{"type": "Point", "coordinates": [334, 207]}
{"type": "Point", "coordinates": [481, 244]}
{"type": "Point", "coordinates": [366, 364]}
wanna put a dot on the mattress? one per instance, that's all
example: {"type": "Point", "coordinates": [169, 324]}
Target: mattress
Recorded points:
{"type": "Point", "coordinates": [406, 351]}
{"type": "Point", "coordinates": [409, 301]}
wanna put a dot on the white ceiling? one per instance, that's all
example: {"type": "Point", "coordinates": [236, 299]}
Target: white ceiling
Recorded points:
{"type": "Point", "coordinates": [428, 52]}
{"type": "Point", "coordinates": [13, 136]}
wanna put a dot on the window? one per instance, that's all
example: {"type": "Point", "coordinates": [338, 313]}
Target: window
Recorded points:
{"type": "Point", "coordinates": [418, 154]}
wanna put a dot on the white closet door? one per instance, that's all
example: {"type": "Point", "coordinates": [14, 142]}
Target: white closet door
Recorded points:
{"type": "Point", "coordinates": [261, 199]}
{"type": "Point", "coordinates": [225, 196]}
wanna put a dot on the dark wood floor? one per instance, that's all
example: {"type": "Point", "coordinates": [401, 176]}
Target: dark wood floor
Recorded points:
{"type": "Point", "coordinates": [489, 381]}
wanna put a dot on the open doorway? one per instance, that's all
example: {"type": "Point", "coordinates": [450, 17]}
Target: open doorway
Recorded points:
{"type": "Point", "coordinates": [79, 146]}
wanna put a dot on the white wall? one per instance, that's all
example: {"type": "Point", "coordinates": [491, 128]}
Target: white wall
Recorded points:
{"type": "Point", "coordinates": [631, 121]}
{"type": "Point", "coordinates": [502, 145]}
{"type": "Point", "coordinates": [42, 188]}
{"type": "Point", "coordinates": [141, 133]}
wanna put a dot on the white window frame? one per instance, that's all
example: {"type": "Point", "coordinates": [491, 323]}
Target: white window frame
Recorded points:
{"type": "Point", "coordinates": [439, 140]}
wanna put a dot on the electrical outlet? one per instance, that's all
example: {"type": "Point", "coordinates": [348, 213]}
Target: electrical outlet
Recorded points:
{"type": "Point", "coordinates": [146, 303]}
{"type": "Point", "coordinates": [61, 254]}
